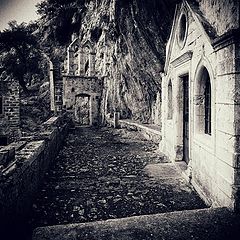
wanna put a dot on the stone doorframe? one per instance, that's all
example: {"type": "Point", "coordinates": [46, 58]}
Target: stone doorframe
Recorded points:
{"type": "Point", "coordinates": [90, 105]}
{"type": "Point", "coordinates": [181, 72]}
{"type": "Point", "coordinates": [179, 102]}
{"type": "Point", "coordinates": [181, 67]}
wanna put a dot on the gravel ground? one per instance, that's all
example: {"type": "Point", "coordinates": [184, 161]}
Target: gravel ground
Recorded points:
{"type": "Point", "coordinates": [106, 174]}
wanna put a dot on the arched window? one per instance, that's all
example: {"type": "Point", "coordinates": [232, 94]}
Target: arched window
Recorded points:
{"type": "Point", "coordinates": [170, 105]}
{"type": "Point", "coordinates": [203, 102]}
{"type": "Point", "coordinates": [207, 105]}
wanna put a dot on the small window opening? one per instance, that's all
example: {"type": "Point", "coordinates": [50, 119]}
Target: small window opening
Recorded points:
{"type": "Point", "coordinates": [86, 66]}
{"type": "Point", "coordinates": [207, 97]}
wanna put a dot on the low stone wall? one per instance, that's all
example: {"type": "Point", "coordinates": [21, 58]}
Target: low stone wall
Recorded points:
{"type": "Point", "coordinates": [23, 166]}
{"type": "Point", "coordinates": [149, 131]}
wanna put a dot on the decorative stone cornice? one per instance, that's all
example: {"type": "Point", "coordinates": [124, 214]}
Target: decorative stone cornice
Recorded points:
{"type": "Point", "coordinates": [187, 56]}
{"type": "Point", "coordinates": [229, 38]}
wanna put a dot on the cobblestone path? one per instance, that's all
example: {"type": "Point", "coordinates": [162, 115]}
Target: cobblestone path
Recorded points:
{"type": "Point", "coordinates": [106, 173]}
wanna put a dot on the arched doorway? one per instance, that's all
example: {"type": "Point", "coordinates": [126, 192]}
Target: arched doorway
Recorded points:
{"type": "Point", "coordinates": [82, 109]}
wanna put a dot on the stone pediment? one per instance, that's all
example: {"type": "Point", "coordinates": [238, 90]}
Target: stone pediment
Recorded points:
{"type": "Point", "coordinates": [187, 56]}
{"type": "Point", "coordinates": [187, 8]}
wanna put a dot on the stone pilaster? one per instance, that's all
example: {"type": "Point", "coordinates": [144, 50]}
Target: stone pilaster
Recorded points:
{"type": "Point", "coordinates": [52, 91]}
{"type": "Point", "coordinates": [70, 61]}
{"type": "Point", "coordinates": [227, 49]}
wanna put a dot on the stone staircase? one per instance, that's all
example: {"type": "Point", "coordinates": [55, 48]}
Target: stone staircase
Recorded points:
{"type": "Point", "coordinates": [205, 224]}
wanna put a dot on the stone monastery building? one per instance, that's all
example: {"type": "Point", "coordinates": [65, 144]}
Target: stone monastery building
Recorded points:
{"type": "Point", "coordinates": [78, 90]}
{"type": "Point", "coordinates": [201, 100]}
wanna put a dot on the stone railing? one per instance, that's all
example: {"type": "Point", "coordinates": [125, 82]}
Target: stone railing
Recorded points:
{"type": "Point", "coordinates": [23, 165]}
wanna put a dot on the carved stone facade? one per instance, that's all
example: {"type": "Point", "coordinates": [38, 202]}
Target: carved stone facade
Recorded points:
{"type": "Point", "coordinates": [82, 89]}
{"type": "Point", "coordinates": [9, 110]}
{"type": "Point", "coordinates": [200, 110]}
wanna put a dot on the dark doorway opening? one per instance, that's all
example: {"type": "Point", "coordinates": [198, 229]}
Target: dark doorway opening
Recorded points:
{"type": "Point", "coordinates": [82, 109]}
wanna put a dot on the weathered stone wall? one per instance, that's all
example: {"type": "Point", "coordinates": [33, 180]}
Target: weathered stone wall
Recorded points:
{"type": "Point", "coordinates": [223, 15]}
{"type": "Point", "coordinates": [77, 85]}
{"type": "Point", "coordinates": [22, 174]}
{"type": "Point", "coordinates": [228, 116]}
{"type": "Point", "coordinates": [213, 166]}
{"type": "Point", "coordinates": [10, 119]}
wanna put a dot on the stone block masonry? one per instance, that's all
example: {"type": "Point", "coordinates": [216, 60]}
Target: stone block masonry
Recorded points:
{"type": "Point", "coordinates": [200, 90]}
{"type": "Point", "coordinates": [80, 91]}
{"type": "Point", "coordinates": [10, 109]}
{"type": "Point", "coordinates": [78, 87]}
{"type": "Point", "coordinates": [23, 165]}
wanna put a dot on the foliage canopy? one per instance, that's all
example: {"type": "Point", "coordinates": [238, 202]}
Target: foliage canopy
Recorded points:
{"type": "Point", "coordinates": [19, 52]}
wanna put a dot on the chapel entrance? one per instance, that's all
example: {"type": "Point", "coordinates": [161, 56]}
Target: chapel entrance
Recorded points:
{"type": "Point", "coordinates": [82, 109]}
{"type": "Point", "coordinates": [185, 80]}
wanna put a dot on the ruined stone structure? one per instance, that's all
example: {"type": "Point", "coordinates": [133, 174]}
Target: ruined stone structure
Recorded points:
{"type": "Point", "coordinates": [81, 88]}
{"type": "Point", "coordinates": [200, 92]}
{"type": "Point", "coordinates": [23, 165]}
{"type": "Point", "coordinates": [9, 110]}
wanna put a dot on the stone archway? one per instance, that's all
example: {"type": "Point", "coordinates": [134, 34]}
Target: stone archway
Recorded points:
{"type": "Point", "coordinates": [82, 109]}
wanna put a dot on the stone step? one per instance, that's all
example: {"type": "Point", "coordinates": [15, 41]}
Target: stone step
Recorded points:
{"type": "Point", "coordinates": [205, 224]}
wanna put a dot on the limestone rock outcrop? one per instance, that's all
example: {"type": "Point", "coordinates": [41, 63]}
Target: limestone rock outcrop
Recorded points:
{"type": "Point", "coordinates": [130, 38]}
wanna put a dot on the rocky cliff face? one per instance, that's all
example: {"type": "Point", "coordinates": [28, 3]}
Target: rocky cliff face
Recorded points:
{"type": "Point", "coordinates": [223, 15]}
{"type": "Point", "coordinates": [130, 37]}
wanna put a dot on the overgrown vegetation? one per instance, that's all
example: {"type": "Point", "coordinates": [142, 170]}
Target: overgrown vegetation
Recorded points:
{"type": "Point", "coordinates": [20, 53]}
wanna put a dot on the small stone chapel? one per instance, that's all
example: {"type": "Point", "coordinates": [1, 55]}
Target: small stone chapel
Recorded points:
{"type": "Point", "coordinates": [81, 87]}
{"type": "Point", "coordinates": [201, 98]}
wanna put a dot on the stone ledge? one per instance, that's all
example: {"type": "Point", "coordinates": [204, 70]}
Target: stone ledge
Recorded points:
{"type": "Point", "coordinates": [230, 37]}
{"type": "Point", "coordinates": [149, 131]}
{"type": "Point", "coordinates": [7, 154]}
{"type": "Point", "coordinates": [201, 224]}
{"type": "Point", "coordinates": [53, 121]}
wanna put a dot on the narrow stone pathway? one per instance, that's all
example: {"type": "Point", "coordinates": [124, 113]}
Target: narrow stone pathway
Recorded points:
{"type": "Point", "coordinates": [107, 173]}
